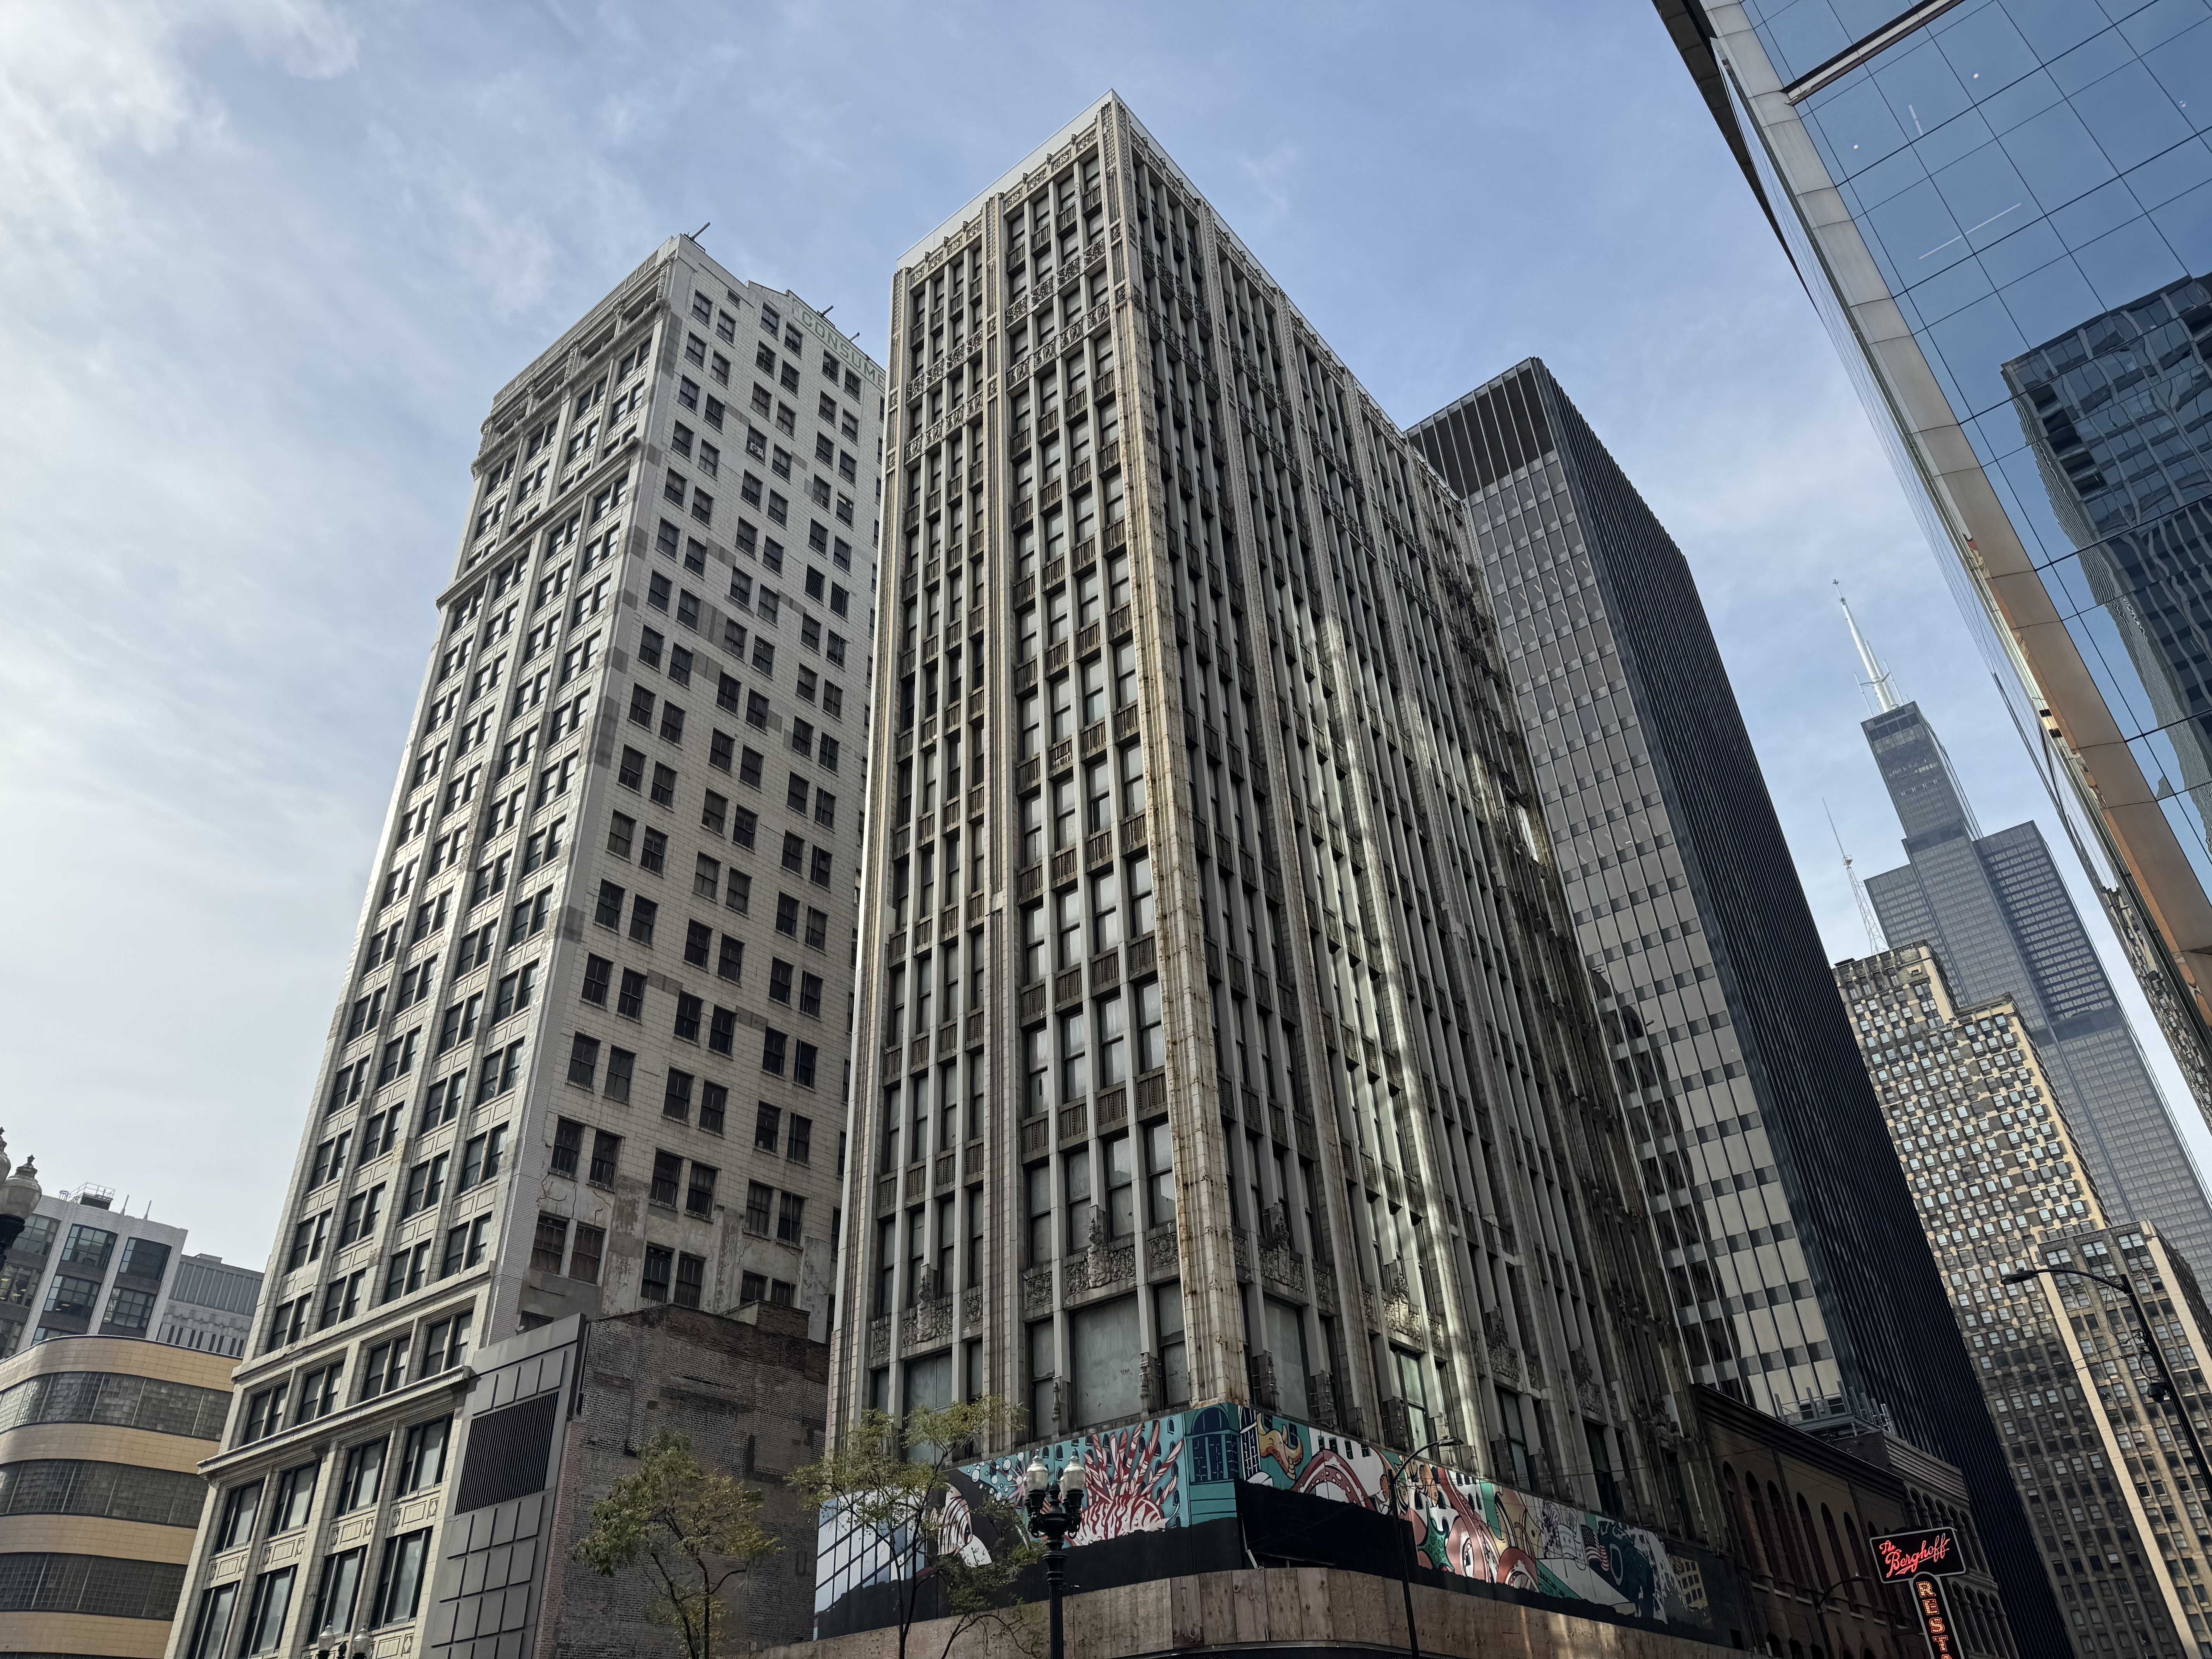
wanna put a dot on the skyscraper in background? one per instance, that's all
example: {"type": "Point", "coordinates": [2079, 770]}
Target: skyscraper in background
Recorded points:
{"type": "Point", "coordinates": [2003, 211]}
{"type": "Point", "coordinates": [2002, 1183]}
{"type": "Point", "coordinates": [1998, 914]}
{"type": "Point", "coordinates": [1798, 1272]}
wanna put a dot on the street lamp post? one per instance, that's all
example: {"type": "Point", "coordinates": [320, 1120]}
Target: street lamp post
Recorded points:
{"type": "Point", "coordinates": [1055, 1520]}
{"type": "Point", "coordinates": [19, 1197]}
{"type": "Point", "coordinates": [1821, 1607]}
{"type": "Point", "coordinates": [1406, 1542]}
{"type": "Point", "coordinates": [2126, 1286]}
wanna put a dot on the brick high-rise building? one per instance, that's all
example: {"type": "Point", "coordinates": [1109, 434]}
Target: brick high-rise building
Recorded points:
{"type": "Point", "coordinates": [2003, 1182]}
{"type": "Point", "coordinates": [1226, 1073]}
{"type": "Point", "coordinates": [589, 1055]}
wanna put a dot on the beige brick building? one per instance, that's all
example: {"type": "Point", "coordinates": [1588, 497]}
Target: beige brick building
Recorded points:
{"type": "Point", "coordinates": [589, 1054]}
{"type": "Point", "coordinates": [2003, 1186]}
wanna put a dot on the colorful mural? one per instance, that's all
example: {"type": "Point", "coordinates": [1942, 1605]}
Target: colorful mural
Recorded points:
{"type": "Point", "coordinates": [1184, 1469]}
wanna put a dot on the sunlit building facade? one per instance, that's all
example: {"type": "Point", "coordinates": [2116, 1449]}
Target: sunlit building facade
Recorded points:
{"type": "Point", "coordinates": [588, 1055]}
{"type": "Point", "coordinates": [1222, 1040]}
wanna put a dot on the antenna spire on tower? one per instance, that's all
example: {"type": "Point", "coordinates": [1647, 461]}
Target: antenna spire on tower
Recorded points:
{"type": "Point", "coordinates": [1877, 679]}
{"type": "Point", "coordinates": [1858, 888]}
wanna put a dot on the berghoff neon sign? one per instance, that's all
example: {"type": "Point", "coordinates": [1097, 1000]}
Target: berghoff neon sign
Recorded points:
{"type": "Point", "coordinates": [1903, 1560]}
{"type": "Point", "coordinates": [1906, 1555]}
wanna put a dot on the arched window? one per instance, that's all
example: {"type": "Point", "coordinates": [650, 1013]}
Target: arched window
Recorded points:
{"type": "Point", "coordinates": [1820, 1581]}
{"type": "Point", "coordinates": [1753, 1546]}
{"type": "Point", "coordinates": [1843, 1561]}
{"type": "Point", "coordinates": [1782, 1549]}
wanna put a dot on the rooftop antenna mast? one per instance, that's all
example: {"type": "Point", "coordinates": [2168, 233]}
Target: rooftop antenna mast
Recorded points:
{"type": "Point", "coordinates": [1858, 888]}
{"type": "Point", "coordinates": [1877, 679]}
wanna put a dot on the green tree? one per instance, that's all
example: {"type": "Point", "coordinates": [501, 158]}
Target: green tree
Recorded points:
{"type": "Point", "coordinates": [694, 1528]}
{"type": "Point", "coordinates": [891, 1480]}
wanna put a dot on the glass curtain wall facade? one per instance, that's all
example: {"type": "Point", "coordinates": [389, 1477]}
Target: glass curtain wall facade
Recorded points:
{"type": "Point", "coordinates": [1224, 1040]}
{"type": "Point", "coordinates": [1793, 1256]}
{"type": "Point", "coordinates": [587, 1057]}
{"type": "Point", "coordinates": [1999, 916]}
{"type": "Point", "coordinates": [2003, 211]}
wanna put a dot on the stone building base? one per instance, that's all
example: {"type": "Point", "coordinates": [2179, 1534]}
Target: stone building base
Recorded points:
{"type": "Point", "coordinates": [1317, 1608]}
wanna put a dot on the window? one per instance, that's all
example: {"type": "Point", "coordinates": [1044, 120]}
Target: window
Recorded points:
{"type": "Point", "coordinates": [794, 853]}
{"type": "Point", "coordinates": [660, 1263]}
{"type": "Point", "coordinates": [583, 1066]}
{"type": "Point", "coordinates": [790, 1216]}
{"type": "Point", "coordinates": [698, 941]}
{"type": "Point", "coordinates": [642, 915]}
{"type": "Point", "coordinates": [778, 980]}
{"type": "Point", "coordinates": [295, 1496]}
{"type": "Point", "coordinates": [606, 1155]}
{"type": "Point", "coordinates": [621, 1064]}
{"type": "Point", "coordinates": [363, 1211]}
{"type": "Point", "coordinates": [385, 1369]}
{"type": "Point", "coordinates": [706, 877]}
{"type": "Point", "coordinates": [363, 1473]}
{"type": "Point", "coordinates": [688, 1010]}
{"type": "Point", "coordinates": [211, 1625]}
{"type": "Point", "coordinates": [609, 911]}
{"type": "Point", "coordinates": [446, 1344]}
{"type": "Point", "coordinates": [676, 1099]}
{"type": "Point", "coordinates": [1159, 1175]}
{"type": "Point", "coordinates": [630, 1004]}
{"type": "Point", "coordinates": [690, 1280]}
{"type": "Point", "coordinates": [752, 1287]}
{"type": "Point", "coordinates": [567, 1144]}
{"type": "Point", "coordinates": [337, 1591]}
{"type": "Point", "coordinates": [810, 994]}
{"type": "Point", "coordinates": [409, 1271]}
{"type": "Point", "coordinates": [786, 914]}
{"type": "Point", "coordinates": [422, 1458]}
{"type": "Point", "coordinates": [802, 1067]}
{"type": "Point", "coordinates": [730, 959]}
{"type": "Point", "coordinates": [1152, 1052]}
{"type": "Point", "coordinates": [667, 1174]}
{"type": "Point", "coordinates": [550, 1245]}
{"type": "Point", "coordinates": [663, 794]}
{"type": "Point", "coordinates": [234, 1520]}
{"type": "Point", "coordinates": [757, 1200]}
{"type": "Point", "coordinates": [699, 1196]}
{"type": "Point", "coordinates": [1074, 1058]}
{"type": "Point", "coordinates": [515, 992]}
{"type": "Point", "coordinates": [586, 1253]}
{"type": "Point", "coordinates": [481, 1158]}
{"type": "Point", "coordinates": [264, 1415]}
{"type": "Point", "coordinates": [399, 1577]}
{"type": "Point", "coordinates": [272, 1601]}
{"type": "Point", "coordinates": [817, 929]}
{"type": "Point", "coordinates": [772, 1046]}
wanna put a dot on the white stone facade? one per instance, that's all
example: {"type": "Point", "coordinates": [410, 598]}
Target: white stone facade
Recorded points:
{"type": "Point", "coordinates": [614, 898]}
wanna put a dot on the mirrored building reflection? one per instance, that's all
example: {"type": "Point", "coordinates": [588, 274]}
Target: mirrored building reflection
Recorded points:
{"type": "Point", "coordinates": [2001, 209]}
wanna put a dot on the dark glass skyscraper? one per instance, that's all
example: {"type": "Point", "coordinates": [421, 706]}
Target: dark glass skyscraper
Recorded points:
{"type": "Point", "coordinates": [1999, 918]}
{"type": "Point", "coordinates": [1800, 1276]}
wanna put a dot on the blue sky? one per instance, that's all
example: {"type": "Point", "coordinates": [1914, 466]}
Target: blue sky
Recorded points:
{"type": "Point", "coordinates": [262, 264]}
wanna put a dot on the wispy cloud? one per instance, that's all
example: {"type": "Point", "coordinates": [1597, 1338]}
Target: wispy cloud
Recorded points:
{"type": "Point", "coordinates": [264, 262]}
